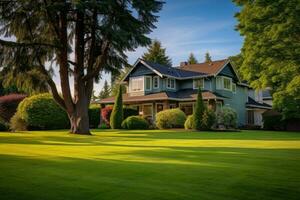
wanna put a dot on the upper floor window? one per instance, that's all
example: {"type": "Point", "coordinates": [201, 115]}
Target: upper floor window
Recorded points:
{"type": "Point", "coordinates": [233, 87]}
{"type": "Point", "coordinates": [227, 83]}
{"type": "Point", "coordinates": [148, 83]}
{"type": "Point", "coordinates": [223, 82]}
{"type": "Point", "coordinates": [155, 82]}
{"type": "Point", "coordinates": [198, 83]}
{"type": "Point", "coordinates": [136, 84]}
{"type": "Point", "coordinates": [170, 83]}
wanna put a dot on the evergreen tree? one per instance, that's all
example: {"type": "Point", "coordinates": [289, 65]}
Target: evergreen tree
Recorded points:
{"type": "Point", "coordinates": [105, 92]}
{"type": "Point", "coordinates": [198, 111]}
{"type": "Point", "coordinates": [118, 79]}
{"type": "Point", "coordinates": [157, 54]}
{"type": "Point", "coordinates": [192, 59]}
{"type": "Point", "coordinates": [116, 117]}
{"type": "Point", "coordinates": [208, 58]}
{"type": "Point", "coordinates": [98, 33]}
{"type": "Point", "coordinates": [271, 50]}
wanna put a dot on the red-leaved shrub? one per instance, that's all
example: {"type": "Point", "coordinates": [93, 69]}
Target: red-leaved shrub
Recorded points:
{"type": "Point", "coordinates": [9, 104]}
{"type": "Point", "coordinates": [105, 114]}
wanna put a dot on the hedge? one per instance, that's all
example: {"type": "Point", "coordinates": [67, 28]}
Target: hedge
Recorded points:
{"type": "Point", "coordinates": [106, 112]}
{"type": "Point", "coordinates": [3, 125]}
{"type": "Point", "coordinates": [135, 122]}
{"type": "Point", "coordinates": [94, 116]}
{"type": "Point", "coordinates": [171, 118]}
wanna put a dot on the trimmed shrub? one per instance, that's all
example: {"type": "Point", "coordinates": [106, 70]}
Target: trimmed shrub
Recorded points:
{"type": "Point", "coordinates": [94, 116]}
{"type": "Point", "coordinates": [273, 120]}
{"type": "Point", "coordinates": [135, 122]}
{"type": "Point", "coordinates": [3, 125]}
{"type": "Point", "coordinates": [188, 124]}
{"type": "Point", "coordinates": [172, 118]}
{"type": "Point", "coordinates": [227, 117]}
{"type": "Point", "coordinates": [105, 115]}
{"type": "Point", "coordinates": [41, 112]}
{"type": "Point", "coordinates": [198, 112]}
{"type": "Point", "coordinates": [129, 112]}
{"type": "Point", "coordinates": [208, 119]}
{"type": "Point", "coordinates": [17, 124]}
{"type": "Point", "coordinates": [116, 117]}
{"type": "Point", "coordinates": [8, 105]}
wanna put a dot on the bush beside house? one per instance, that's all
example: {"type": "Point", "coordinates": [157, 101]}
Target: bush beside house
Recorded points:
{"type": "Point", "coordinates": [172, 118]}
{"type": "Point", "coordinates": [116, 117]}
{"type": "Point", "coordinates": [227, 117]}
{"type": "Point", "coordinates": [94, 116]}
{"type": "Point", "coordinates": [198, 111]}
{"type": "Point", "coordinates": [135, 122]}
{"type": "Point", "coordinates": [189, 122]}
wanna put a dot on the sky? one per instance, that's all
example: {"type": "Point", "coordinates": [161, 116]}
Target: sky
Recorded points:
{"type": "Point", "coordinates": [197, 26]}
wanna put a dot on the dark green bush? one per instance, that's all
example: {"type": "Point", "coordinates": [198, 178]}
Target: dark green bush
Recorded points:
{"type": "Point", "coordinates": [188, 124]}
{"type": "Point", "coordinates": [116, 117]}
{"type": "Point", "coordinates": [135, 122]}
{"type": "Point", "coordinates": [127, 112]}
{"type": "Point", "coordinates": [172, 118]}
{"type": "Point", "coordinates": [94, 116]}
{"type": "Point", "coordinates": [3, 125]}
{"type": "Point", "coordinates": [227, 117]}
{"type": "Point", "coordinates": [41, 112]}
{"type": "Point", "coordinates": [17, 124]}
{"type": "Point", "coordinates": [273, 122]}
{"type": "Point", "coordinates": [208, 119]}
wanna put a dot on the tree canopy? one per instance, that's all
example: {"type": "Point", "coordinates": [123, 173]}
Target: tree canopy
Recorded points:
{"type": "Point", "coordinates": [156, 53]}
{"type": "Point", "coordinates": [80, 38]}
{"type": "Point", "coordinates": [207, 57]}
{"type": "Point", "coordinates": [192, 59]}
{"type": "Point", "coordinates": [105, 92]}
{"type": "Point", "coordinates": [271, 31]}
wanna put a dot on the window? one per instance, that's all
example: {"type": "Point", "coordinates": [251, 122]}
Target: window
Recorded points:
{"type": "Point", "coordinates": [148, 82]}
{"type": "Point", "coordinates": [187, 108]}
{"type": "Point", "coordinates": [172, 105]}
{"type": "Point", "coordinates": [136, 84]}
{"type": "Point", "coordinates": [159, 107]}
{"type": "Point", "coordinates": [226, 83]}
{"type": "Point", "coordinates": [147, 110]}
{"type": "Point", "coordinates": [233, 87]}
{"type": "Point", "coordinates": [198, 83]}
{"type": "Point", "coordinates": [155, 82]}
{"type": "Point", "coordinates": [171, 83]}
{"type": "Point", "coordinates": [219, 82]}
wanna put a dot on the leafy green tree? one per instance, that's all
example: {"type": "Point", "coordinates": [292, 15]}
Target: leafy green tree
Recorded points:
{"type": "Point", "coordinates": [198, 111]}
{"type": "Point", "coordinates": [192, 59]}
{"type": "Point", "coordinates": [271, 50]}
{"type": "Point", "coordinates": [116, 116]}
{"type": "Point", "coordinates": [98, 33]}
{"type": "Point", "coordinates": [105, 92]}
{"type": "Point", "coordinates": [157, 54]}
{"type": "Point", "coordinates": [207, 57]}
{"type": "Point", "coordinates": [237, 62]}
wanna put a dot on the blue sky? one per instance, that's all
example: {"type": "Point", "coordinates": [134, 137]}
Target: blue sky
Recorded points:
{"type": "Point", "coordinates": [196, 26]}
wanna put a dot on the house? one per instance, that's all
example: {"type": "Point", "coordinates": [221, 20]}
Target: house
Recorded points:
{"type": "Point", "coordinates": [152, 87]}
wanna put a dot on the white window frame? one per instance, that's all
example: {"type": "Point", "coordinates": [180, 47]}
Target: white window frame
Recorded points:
{"type": "Point", "coordinates": [131, 84]}
{"type": "Point", "coordinates": [194, 83]}
{"type": "Point", "coordinates": [153, 82]}
{"type": "Point", "coordinates": [233, 84]}
{"type": "Point", "coordinates": [150, 78]}
{"type": "Point", "coordinates": [147, 104]}
{"type": "Point", "coordinates": [218, 102]}
{"type": "Point", "coordinates": [230, 80]}
{"type": "Point", "coordinates": [219, 82]}
{"type": "Point", "coordinates": [169, 80]}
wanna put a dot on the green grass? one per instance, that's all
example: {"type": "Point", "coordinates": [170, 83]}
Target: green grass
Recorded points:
{"type": "Point", "coordinates": [150, 165]}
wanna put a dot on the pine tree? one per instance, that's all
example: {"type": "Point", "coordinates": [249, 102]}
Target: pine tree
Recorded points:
{"type": "Point", "coordinates": [105, 92]}
{"type": "Point", "coordinates": [198, 111]}
{"type": "Point", "coordinates": [157, 54]}
{"type": "Point", "coordinates": [207, 57]}
{"type": "Point", "coordinates": [116, 117]}
{"type": "Point", "coordinates": [192, 59]}
{"type": "Point", "coordinates": [98, 34]}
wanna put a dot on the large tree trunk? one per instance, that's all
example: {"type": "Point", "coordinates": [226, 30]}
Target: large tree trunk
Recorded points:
{"type": "Point", "coordinates": [79, 120]}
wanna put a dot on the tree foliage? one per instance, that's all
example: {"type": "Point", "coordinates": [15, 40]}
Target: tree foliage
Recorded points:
{"type": "Point", "coordinates": [117, 80]}
{"type": "Point", "coordinates": [271, 50]}
{"type": "Point", "coordinates": [157, 54]}
{"type": "Point", "coordinates": [207, 57]}
{"type": "Point", "coordinates": [198, 111]}
{"type": "Point", "coordinates": [192, 59]}
{"type": "Point", "coordinates": [46, 33]}
{"type": "Point", "coordinates": [116, 117]}
{"type": "Point", "coordinates": [105, 92]}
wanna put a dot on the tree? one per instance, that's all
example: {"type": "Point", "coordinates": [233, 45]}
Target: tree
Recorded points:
{"type": "Point", "coordinates": [271, 50]}
{"type": "Point", "coordinates": [208, 58]}
{"type": "Point", "coordinates": [97, 33]}
{"type": "Point", "coordinates": [157, 54]}
{"type": "Point", "coordinates": [105, 92]}
{"type": "Point", "coordinates": [198, 111]}
{"type": "Point", "coordinates": [192, 59]}
{"type": "Point", "coordinates": [118, 79]}
{"type": "Point", "coordinates": [237, 62]}
{"type": "Point", "coordinates": [116, 116]}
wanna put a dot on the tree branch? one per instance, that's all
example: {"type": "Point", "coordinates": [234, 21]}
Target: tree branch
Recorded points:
{"type": "Point", "coordinates": [23, 44]}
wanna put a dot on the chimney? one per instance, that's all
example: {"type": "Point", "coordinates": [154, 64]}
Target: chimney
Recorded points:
{"type": "Point", "coordinates": [182, 64]}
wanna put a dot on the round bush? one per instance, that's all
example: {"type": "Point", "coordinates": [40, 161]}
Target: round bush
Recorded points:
{"type": "Point", "coordinates": [172, 118]}
{"type": "Point", "coordinates": [135, 122]}
{"type": "Point", "coordinates": [8, 105]}
{"type": "Point", "coordinates": [188, 124]}
{"type": "Point", "coordinates": [17, 124]}
{"type": "Point", "coordinates": [42, 112]}
{"type": "Point", "coordinates": [127, 112]}
{"type": "Point", "coordinates": [94, 116]}
{"type": "Point", "coordinates": [227, 117]}
{"type": "Point", "coordinates": [208, 119]}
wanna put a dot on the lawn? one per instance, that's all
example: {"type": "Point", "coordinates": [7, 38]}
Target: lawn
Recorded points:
{"type": "Point", "coordinates": [150, 165]}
